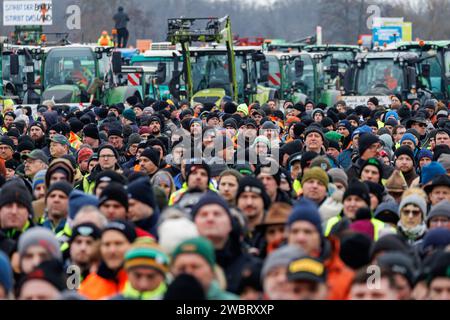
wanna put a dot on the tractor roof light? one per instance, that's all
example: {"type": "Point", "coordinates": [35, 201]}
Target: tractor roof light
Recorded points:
{"type": "Point", "coordinates": [421, 43]}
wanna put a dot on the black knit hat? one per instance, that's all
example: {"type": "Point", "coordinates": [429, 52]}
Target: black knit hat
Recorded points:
{"type": "Point", "coordinates": [359, 189]}
{"type": "Point", "coordinates": [152, 154]}
{"type": "Point", "coordinates": [91, 131]}
{"type": "Point", "coordinates": [185, 287]}
{"type": "Point", "coordinates": [306, 159]}
{"type": "Point", "coordinates": [86, 229]}
{"type": "Point", "coordinates": [197, 163]}
{"type": "Point", "coordinates": [251, 184]}
{"type": "Point", "coordinates": [124, 227]}
{"type": "Point", "coordinates": [108, 146]}
{"type": "Point", "coordinates": [51, 271]}
{"type": "Point", "coordinates": [7, 141]}
{"type": "Point", "coordinates": [63, 186]}
{"type": "Point", "coordinates": [110, 176]}
{"type": "Point", "coordinates": [365, 141]}
{"type": "Point", "coordinates": [373, 162]}
{"type": "Point", "coordinates": [15, 192]}
{"type": "Point", "coordinates": [25, 145]}
{"type": "Point", "coordinates": [355, 250]}
{"type": "Point", "coordinates": [376, 189]}
{"type": "Point", "coordinates": [115, 132]}
{"type": "Point", "coordinates": [114, 191]}
{"type": "Point", "coordinates": [141, 190]}
{"type": "Point", "coordinates": [404, 150]}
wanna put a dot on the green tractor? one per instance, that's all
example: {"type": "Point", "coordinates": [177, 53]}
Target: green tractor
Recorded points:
{"type": "Point", "coordinates": [209, 74]}
{"type": "Point", "coordinates": [297, 77]}
{"type": "Point", "coordinates": [171, 84]}
{"type": "Point", "coordinates": [434, 65]}
{"type": "Point", "coordinates": [21, 73]}
{"type": "Point", "coordinates": [382, 74]}
{"type": "Point", "coordinates": [77, 74]}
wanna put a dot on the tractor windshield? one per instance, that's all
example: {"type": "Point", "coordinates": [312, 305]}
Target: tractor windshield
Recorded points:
{"type": "Point", "coordinates": [211, 70]}
{"type": "Point", "coordinates": [341, 57]}
{"type": "Point", "coordinates": [154, 65]}
{"type": "Point", "coordinates": [303, 82]}
{"type": "Point", "coordinates": [447, 63]}
{"type": "Point", "coordinates": [69, 66]}
{"type": "Point", "coordinates": [379, 77]}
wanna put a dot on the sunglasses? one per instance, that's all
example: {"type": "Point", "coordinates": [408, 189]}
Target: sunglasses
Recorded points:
{"type": "Point", "coordinates": [414, 213]}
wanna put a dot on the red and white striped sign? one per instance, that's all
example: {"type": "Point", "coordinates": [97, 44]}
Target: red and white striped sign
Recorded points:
{"type": "Point", "coordinates": [275, 78]}
{"type": "Point", "coordinates": [134, 79]}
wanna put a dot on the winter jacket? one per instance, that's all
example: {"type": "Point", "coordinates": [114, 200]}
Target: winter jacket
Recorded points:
{"type": "Point", "coordinates": [104, 283]}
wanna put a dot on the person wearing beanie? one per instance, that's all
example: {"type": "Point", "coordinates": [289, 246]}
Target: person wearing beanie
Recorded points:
{"type": "Point", "coordinates": [369, 146]}
{"type": "Point", "coordinates": [314, 139]}
{"type": "Point", "coordinates": [6, 277]}
{"type": "Point", "coordinates": [355, 249]}
{"type": "Point", "coordinates": [242, 110]}
{"type": "Point", "coordinates": [113, 201]}
{"type": "Point", "coordinates": [439, 277]}
{"type": "Point", "coordinates": [213, 219]}
{"type": "Point", "coordinates": [185, 288]}
{"type": "Point", "coordinates": [57, 208]}
{"type": "Point", "coordinates": [149, 161]}
{"type": "Point", "coordinates": [84, 247]}
{"type": "Point", "coordinates": [404, 161]}
{"type": "Point", "coordinates": [129, 117]}
{"type": "Point", "coordinates": [356, 196]}
{"type": "Point", "coordinates": [108, 159]}
{"type": "Point", "coordinates": [315, 185]}
{"type": "Point", "coordinates": [338, 178]}
{"type": "Point", "coordinates": [7, 148]}
{"type": "Point", "coordinates": [409, 140]}
{"type": "Point", "coordinates": [252, 201]}
{"type": "Point", "coordinates": [104, 178]}
{"type": "Point", "coordinates": [143, 260]}
{"type": "Point", "coordinates": [37, 134]}
{"type": "Point", "coordinates": [372, 170]}
{"type": "Point", "coordinates": [199, 251]}
{"type": "Point", "coordinates": [304, 227]}
{"type": "Point", "coordinates": [439, 215]}
{"type": "Point", "coordinates": [424, 157]}
{"type": "Point", "coordinates": [110, 277]}
{"type": "Point", "coordinates": [412, 212]}
{"type": "Point", "coordinates": [31, 244]}
{"type": "Point", "coordinates": [46, 282]}
{"type": "Point", "coordinates": [198, 176]}
{"type": "Point", "coordinates": [58, 170]}
{"type": "Point", "coordinates": [116, 139]}
{"type": "Point", "coordinates": [270, 175]}
{"type": "Point", "coordinates": [38, 185]}
{"type": "Point", "coordinates": [143, 210]}
{"type": "Point", "coordinates": [275, 286]}
{"type": "Point", "coordinates": [83, 156]}
{"type": "Point", "coordinates": [402, 265]}
{"type": "Point", "coordinates": [91, 136]}
{"type": "Point", "coordinates": [77, 200]}
{"type": "Point", "coordinates": [173, 231]}
{"type": "Point", "coordinates": [13, 222]}
{"type": "Point", "coordinates": [305, 214]}
{"type": "Point", "coordinates": [431, 171]}
{"type": "Point", "coordinates": [388, 213]}
{"type": "Point", "coordinates": [372, 103]}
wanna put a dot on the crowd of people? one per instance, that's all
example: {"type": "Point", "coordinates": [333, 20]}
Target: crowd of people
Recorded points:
{"type": "Point", "coordinates": [266, 201]}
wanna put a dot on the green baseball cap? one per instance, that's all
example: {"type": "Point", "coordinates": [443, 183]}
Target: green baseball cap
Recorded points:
{"type": "Point", "coordinates": [199, 245]}
{"type": "Point", "coordinates": [59, 138]}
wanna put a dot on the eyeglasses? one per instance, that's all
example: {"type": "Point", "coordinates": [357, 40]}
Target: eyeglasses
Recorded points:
{"type": "Point", "coordinates": [107, 156]}
{"type": "Point", "coordinates": [414, 213]}
{"type": "Point", "coordinates": [422, 125]}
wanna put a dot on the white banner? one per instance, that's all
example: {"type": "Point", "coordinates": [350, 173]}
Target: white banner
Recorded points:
{"type": "Point", "coordinates": [354, 101]}
{"type": "Point", "coordinates": [26, 13]}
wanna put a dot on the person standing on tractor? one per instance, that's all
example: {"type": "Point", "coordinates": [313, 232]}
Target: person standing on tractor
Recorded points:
{"type": "Point", "coordinates": [121, 19]}
{"type": "Point", "coordinates": [105, 40]}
